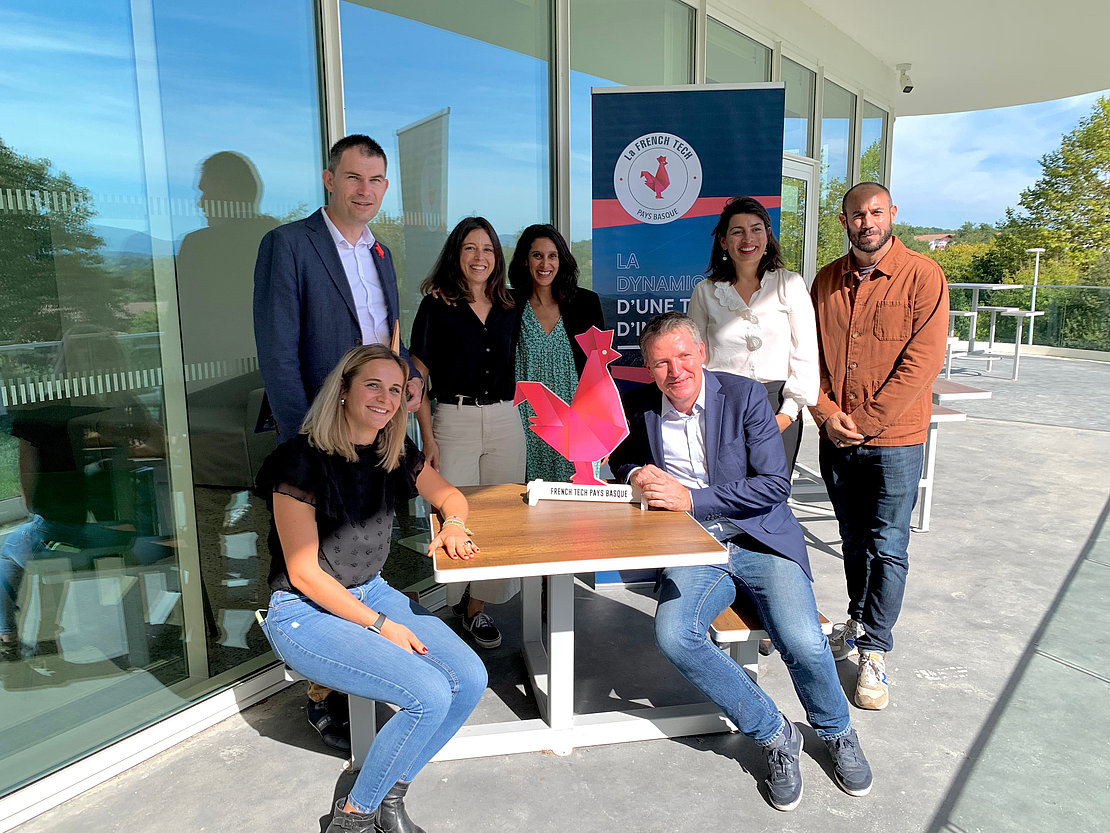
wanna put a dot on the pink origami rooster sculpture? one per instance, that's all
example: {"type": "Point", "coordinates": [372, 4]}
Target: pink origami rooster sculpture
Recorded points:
{"type": "Point", "coordinates": [593, 424]}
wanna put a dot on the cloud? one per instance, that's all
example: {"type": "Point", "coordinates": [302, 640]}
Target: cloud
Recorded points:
{"type": "Point", "coordinates": [955, 167]}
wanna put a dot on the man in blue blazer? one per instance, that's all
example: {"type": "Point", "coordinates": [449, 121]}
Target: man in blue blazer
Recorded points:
{"type": "Point", "coordinates": [323, 285]}
{"type": "Point", "coordinates": [707, 443]}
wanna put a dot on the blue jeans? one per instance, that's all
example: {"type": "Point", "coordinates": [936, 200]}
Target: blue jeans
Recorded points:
{"type": "Point", "coordinates": [692, 597]}
{"type": "Point", "coordinates": [435, 691]}
{"type": "Point", "coordinates": [873, 490]}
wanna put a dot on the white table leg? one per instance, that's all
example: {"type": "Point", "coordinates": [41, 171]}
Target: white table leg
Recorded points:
{"type": "Point", "coordinates": [531, 592]}
{"type": "Point", "coordinates": [925, 495]}
{"type": "Point", "coordinates": [1017, 344]}
{"type": "Point", "coordinates": [974, 321]}
{"type": "Point", "coordinates": [560, 646]}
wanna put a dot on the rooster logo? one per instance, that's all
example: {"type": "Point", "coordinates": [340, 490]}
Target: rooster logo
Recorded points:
{"type": "Point", "coordinates": [657, 178]}
{"type": "Point", "coordinates": [659, 181]}
{"type": "Point", "coordinates": [593, 424]}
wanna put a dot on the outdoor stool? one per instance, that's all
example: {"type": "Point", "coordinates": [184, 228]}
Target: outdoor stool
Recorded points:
{"type": "Point", "coordinates": [363, 714]}
{"type": "Point", "coordinates": [364, 721]}
{"type": "Point", "coordinates": [738, 630]}
{"type": "Point", "coordinates": [994, 311]}
{"type": "Point", "coordinates": [1019, 315]}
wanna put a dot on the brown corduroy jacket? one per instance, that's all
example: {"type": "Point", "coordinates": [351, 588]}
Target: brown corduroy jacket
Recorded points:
{"type": "Point", "coordinates": [882, 342]}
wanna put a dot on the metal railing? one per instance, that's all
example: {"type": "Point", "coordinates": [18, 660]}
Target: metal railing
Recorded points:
{"type": "Point", "coordinates": [1076, 317]}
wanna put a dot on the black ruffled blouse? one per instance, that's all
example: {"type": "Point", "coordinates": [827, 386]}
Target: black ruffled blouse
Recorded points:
{"type": "Point", "coordinates": [353, 501]}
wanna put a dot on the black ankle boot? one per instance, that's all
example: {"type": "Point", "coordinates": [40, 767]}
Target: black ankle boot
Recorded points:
{"type": "Point", "coordinates": [343, 822]}
{"type": "Point", "coordinates": [392, 817]}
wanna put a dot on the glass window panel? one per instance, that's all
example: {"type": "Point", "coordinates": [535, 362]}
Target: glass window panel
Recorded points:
{"type": "Point", "coordinates": [837, 116]}
{"type": "Point", "coordinates": [655, 46]}
{"type": "Point", "coordinates": [457, 95]}
{"type": "Point", "coordinates": [872, 161]}
{"type": "Point", "coordinates": [734, 58]}
{"type": "Point", "coordinates": [105, 127]}
{"type": "Point", "coordinates": [801, 83]}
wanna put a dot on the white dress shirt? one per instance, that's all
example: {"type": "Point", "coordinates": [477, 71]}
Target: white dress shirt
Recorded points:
{"type": "Point", "coordinates": [684, 454]}
{"type": "Point", "coordinates": [771, 339]}
{"type": "Point", "coordinates": [366, 284]}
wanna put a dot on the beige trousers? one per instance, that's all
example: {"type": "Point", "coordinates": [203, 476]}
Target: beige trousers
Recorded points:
{"type": "Point", "coordinates": [480, 446]}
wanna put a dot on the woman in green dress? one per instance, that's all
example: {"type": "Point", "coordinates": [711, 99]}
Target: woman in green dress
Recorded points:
{"type": "Point", "coordinates": [552, 310]}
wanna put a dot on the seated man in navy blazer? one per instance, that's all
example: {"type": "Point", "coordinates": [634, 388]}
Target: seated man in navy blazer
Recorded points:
{"type": "Point", "coordinates": [709, 445]}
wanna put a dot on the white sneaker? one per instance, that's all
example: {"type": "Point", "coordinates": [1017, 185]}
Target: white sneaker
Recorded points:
{"type": "Point", "coordinates": [871, 686]}
{"type": "Point", "coordinates": [843, 638]}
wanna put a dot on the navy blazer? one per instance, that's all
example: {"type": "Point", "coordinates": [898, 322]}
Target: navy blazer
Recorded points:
{"type": "Point", "coordinates": [304, 315]}
{"type": "Point", "coordinates": [748, 481]}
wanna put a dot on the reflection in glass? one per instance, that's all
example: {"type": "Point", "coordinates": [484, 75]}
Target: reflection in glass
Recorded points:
{"type": "Point", "coordinates": [242, 143]}
{"type": "Point", "coordinates": [838, 110]}
{"type": "Point", "coordinates": [792, 221]}
{"type": "Point", "coordinates": [872, 163]}
{"type": "Point", "coordinates": [801, 83]}
{"type": "Point", "coordinates": [734, 58]}
{"type": "Point", "coordinates": [655, 46]}
{"type": "Point", "coordinates": [457, 95]}
{"type": "Point", "coordinates": [94, 611]}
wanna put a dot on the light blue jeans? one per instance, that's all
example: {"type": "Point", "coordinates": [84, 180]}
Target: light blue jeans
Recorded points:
{"type": "Point", "coordinates": [435, 691]}
{"type": "Point", "coordinates": [692, 597]}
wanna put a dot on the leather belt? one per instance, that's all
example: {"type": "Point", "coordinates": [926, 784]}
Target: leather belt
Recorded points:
{"type": "Point", "coordinates": [477, 401]}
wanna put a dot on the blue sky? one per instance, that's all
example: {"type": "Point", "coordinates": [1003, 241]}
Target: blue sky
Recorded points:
{"type": "Point", "coordinates": [951, 168]}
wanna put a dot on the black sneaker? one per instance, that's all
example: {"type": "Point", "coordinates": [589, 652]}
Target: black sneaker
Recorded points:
{"type": "Point", "coordinates": [850, 767]}
{"type": "Point", "coordinates": [330, 726]}
{"type": "Point", "coordinates": [482, 630]}
{"type": "Point", "coordinates": [784, 773]}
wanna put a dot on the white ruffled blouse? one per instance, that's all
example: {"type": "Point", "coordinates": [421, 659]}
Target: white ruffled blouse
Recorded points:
{"type": "Point", "coordinates": [772, 339]}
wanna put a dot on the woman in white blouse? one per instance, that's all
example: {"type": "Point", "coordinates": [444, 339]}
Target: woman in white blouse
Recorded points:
{"type": "Point", "coordinates": [757, 317]}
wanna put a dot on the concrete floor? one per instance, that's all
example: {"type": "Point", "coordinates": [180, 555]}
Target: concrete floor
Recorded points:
{"type": "Point", "coordinates": [999, 717]}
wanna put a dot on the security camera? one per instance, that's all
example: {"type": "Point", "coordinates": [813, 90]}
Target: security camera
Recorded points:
{"type": "Point", "coordinates": [904, 80]}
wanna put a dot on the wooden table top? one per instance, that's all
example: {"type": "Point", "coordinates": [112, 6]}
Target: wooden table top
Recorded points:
{"type": "Point", "coordinates": [558, 537]}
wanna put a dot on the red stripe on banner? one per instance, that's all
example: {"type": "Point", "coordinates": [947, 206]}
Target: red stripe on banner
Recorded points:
{"type": "Point", "coordinates": [631, 374]}
{"type": "Point", "coordinates": [609, 213]}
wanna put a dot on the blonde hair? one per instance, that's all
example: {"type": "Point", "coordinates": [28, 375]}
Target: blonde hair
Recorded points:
{"type": "Point", "coordinates": [326, 425]}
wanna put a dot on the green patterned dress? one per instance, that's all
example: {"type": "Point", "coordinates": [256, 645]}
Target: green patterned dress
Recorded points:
{"type": "Point", "coordinates": [547, 358]}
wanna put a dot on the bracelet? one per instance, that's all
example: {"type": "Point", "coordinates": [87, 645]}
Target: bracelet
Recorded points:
{"type": "Point", "coordinates": [379, 623]}
{"type": "Point", "coordinates": [455, 519]}
{"type": "Point", "coordinates": [456, 522]}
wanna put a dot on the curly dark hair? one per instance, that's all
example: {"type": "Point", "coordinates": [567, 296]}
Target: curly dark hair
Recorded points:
{"type": "Point", "coordinates": [447, 277]}
{"type": "Point", "coordinates": [520, 276]}
{"type": "Point", "coordinates": [720, 266]}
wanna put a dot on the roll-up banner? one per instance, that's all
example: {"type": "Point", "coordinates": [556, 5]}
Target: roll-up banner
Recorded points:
{"type": "Point", "coordinates": [665, 161]}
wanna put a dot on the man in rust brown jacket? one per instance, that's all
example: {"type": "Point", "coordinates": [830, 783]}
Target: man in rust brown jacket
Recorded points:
{"type": "Point", "coordinates": [882, 323]}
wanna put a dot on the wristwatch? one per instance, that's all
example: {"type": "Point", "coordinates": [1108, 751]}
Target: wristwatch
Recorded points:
{"type": "Point", "coordinates": [379, 623]}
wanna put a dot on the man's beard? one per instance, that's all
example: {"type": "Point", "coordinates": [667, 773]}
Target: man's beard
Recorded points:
{"type": "Point", "coordinates": [873, 247]}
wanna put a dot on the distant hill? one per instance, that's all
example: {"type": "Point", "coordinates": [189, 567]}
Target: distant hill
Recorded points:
{"type": "Point", "coordinates": [126, 241]}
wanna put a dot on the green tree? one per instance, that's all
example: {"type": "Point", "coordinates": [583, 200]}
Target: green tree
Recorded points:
{"type": "Point", "coordinates": [53, 274]}
{"type": "Point", "coordinates": [1068, 208]}
{"type": "Point", "coordinates": [970, 232]}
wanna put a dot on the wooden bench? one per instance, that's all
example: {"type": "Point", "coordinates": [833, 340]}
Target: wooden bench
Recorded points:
{"type": "Point", "coordinates": [738, 630]}
{"type": "Point", "coordinates": [945, 391]}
